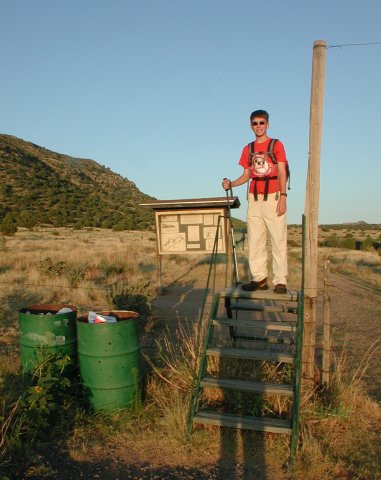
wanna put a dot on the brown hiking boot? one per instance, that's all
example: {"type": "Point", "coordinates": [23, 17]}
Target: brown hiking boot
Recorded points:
{"type": "Point", "coordinates": [252, 286]}
{"type": "Point", "coordinates": [280, 288]}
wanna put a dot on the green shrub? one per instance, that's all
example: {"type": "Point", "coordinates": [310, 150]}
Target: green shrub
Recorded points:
{"type": "Point", "coordinates": [119, 227]}
{"type": "Point", "coordinates": [33, 408]}
{"type": "Point", "coordinates": [74, 272]}
{"type": "Point", "coordinates": [50, 268]}
{"type": "Point", "coordinates": [27, 219]}
{"type": "Point", "coordinates": [137, 297]}
{"type": "Point", "coordinates": [349, 242]}
{"type": "Point", "coordinates": [44, 399]}
{"type": "Point", "coordinates": [332, 241]}
{"type": "Point", "coordinates": [112, 269]}
{"type": "Point", "coordinates": [367, 244]}
{"type": "Point", "coordinates": [8, 225]}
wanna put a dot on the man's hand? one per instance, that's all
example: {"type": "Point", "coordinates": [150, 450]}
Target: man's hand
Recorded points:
{"type": "Point", "coordinates": [226, 184]}
{"type": "Point", "coordinates": [281, 207]}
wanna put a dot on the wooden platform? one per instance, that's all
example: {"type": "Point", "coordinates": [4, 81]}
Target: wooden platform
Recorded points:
{"type": "Point", "coordinates": [238, 292]}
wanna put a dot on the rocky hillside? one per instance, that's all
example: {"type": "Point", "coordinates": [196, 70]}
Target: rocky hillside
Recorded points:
{"type": "Point", "coordinates": [38, 186]}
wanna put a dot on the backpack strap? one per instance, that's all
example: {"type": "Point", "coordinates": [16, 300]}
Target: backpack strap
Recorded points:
{"type": "Point", "coordinates": [271, 154]}
{"type": "Point", "coordinates": [266, 192]}
{"type": "Point", "coordinates": [251, 153]}
{"type": "Point", "coordinates": [288, 177]}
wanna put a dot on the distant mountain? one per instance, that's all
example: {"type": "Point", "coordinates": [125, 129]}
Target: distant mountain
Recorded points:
{"type": "Point", "coordinates": [38, 186]}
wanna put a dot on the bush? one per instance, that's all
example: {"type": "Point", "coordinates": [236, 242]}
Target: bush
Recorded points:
{"type": "Point", "coordinates": [8, 225]}
{"type": "Point", "coordinates": [33, 410]}
{"type": "Point", "coordinates": [74, 272]}
{"type": "Point", "coordinates": [136, 297]}
{"type": "Point", "coordinates": [50, 268]}
{"type": "Point", "coordinates": [332, 241]}
{"type": "Point", "coordinates": [367, 244]}
{"type": "Point", "coordinates": [349, 243]}
{"type": "Point", "coordinates": [119, 227]}
{"type": "Point", "coordinates": [26, 219]}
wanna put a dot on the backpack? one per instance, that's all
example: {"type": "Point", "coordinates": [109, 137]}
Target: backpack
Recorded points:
{"type": "Point", "coordinates": [271, 154]}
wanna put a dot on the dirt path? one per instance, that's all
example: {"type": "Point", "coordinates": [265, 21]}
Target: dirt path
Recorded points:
{"type": "Point", "coordinates": [356, 322]}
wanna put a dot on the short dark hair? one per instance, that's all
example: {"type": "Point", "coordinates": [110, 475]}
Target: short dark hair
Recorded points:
{"type": "Point", "coordinates": [260, 113]}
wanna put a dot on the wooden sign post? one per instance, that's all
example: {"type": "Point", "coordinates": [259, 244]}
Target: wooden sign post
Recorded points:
{"type": "Point", "coordinates": [312, 206]}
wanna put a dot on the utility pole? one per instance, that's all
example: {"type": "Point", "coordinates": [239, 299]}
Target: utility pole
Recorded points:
{"type": "Point", "coordinates": [312, 207]}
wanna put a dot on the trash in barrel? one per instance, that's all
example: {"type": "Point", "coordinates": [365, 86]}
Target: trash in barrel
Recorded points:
{"type": "Point", "coordinates": [47, 330]}
{"type": "Point", "coordinates": [109, 359]}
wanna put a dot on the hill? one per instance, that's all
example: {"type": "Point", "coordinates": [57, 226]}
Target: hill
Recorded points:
{"type": "Point", "coordinates": [38, 186]}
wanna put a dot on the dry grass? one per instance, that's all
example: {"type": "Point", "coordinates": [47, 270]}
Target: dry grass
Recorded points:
{"type": "Point", "coordinates": [361, 266]}
{"type": "Point", "coordinates": [76, 267]}
{"type": "Point", "coordinates": [340, 427]}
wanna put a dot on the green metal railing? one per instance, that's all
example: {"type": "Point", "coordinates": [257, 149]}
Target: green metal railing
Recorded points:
{"type": "Point", "coordinates": [210, 290]}
{"type": "Point", "coordinates": [298, 359]}
{"type": "Point", "coordinates": [211, 279]}
{"type": "Point", "coordinates": [202, 368]}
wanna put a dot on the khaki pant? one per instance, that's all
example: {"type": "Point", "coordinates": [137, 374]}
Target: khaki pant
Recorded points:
{"type": "Point", "coordinates": [262, 217]}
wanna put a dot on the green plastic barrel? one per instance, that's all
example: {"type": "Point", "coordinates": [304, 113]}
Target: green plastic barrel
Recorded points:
{"type": "Point", "coordinates": [44, 331]}
{"type": "Point", "coordinates": [109, 361]}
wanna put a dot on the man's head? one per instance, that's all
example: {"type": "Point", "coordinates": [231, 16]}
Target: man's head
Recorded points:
{"type": "Point", "coordinates": [259, 114]}
{"type": "Point", "coordinates": [259, 123]}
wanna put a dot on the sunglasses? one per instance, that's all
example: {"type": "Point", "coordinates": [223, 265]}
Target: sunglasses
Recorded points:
{"type": "Point", "coordinates": [262, 122]}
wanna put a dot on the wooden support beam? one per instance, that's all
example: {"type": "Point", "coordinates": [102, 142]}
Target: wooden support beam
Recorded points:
{"type": "Point", "coordinates": [312, 206]}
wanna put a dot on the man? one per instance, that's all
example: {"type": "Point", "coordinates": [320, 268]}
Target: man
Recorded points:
{"type": "Point", "coordinates": [267, 204]}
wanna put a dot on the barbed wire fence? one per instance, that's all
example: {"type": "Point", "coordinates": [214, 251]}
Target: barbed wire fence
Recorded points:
{"type": "Point", "coordinates": [330, 292]}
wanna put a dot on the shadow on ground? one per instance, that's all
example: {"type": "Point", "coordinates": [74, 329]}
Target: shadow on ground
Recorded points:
{"type": "Point", "coordinates": [59, 466]}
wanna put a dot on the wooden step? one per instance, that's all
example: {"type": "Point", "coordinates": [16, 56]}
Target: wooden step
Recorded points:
{"type": "Point", "coordinates": [266, 325]}
{"type": "Point", "coordinates": [264, 308]}
{"type": "Point", "coordinates": [248, 386]}
{"type": "Point", "coordinates": [250, 354]}
{"type": "Point", "coordinates": [268, 339]}
{"type": "Point", "coordinates": [242, 422]}
{"type": "Point", "coordinates": [237, 292]}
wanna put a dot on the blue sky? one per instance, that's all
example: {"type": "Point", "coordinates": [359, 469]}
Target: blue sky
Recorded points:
{"type": "Point", "coordinates": [160, 91]}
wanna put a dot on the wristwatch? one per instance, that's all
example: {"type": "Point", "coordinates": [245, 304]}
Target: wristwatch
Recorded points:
{"type": "Point", "coordinates": [285, 194]}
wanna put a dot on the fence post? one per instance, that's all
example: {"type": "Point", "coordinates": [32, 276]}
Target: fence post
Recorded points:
{"type": "Point", "coordinates": [312, 207]}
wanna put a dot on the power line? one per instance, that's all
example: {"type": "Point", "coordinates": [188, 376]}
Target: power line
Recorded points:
{"type": "Point", "coordinates": [353, 45]}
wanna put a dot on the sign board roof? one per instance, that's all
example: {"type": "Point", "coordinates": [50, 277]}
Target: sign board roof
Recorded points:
{"type": "Point", "coordinates": [232, 202]}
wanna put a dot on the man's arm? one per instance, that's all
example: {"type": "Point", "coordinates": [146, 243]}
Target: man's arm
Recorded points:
{"type": "Point", "coordinates": [282, 177]}
{"type": "Point", "coordinates": [227, 184]}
